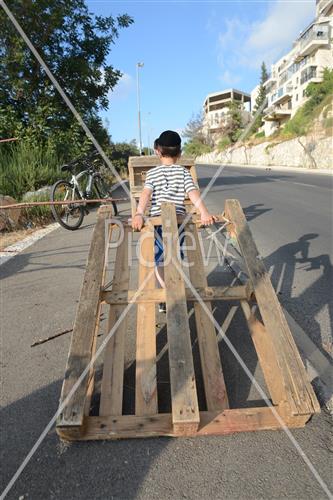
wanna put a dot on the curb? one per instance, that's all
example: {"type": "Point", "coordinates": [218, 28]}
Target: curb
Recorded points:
{"type": "Point", "coordinates": [317, 366]}
{"type": "Point", "coordinates": [280, 168]}
{"type": "Point", "coordinates": [15, 249]}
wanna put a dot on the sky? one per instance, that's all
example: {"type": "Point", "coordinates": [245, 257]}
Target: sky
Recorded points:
{"type": "Point", "coordinates": [190, 49]}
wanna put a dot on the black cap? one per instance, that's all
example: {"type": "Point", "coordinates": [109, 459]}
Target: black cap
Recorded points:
{"type": "Point", "coordinates": [169, 138]}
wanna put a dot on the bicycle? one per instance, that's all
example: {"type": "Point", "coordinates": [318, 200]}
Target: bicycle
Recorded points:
{"type": "Point", "coordinates": [71, 215]}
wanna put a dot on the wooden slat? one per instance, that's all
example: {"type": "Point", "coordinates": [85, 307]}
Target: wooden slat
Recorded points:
{"type": "Point", "coordinates": [211, 423]}
{"type": "Point", "coordinates": [153, 161]}
{"type": "Point", "coordinates": [266, 355]}
{"type": "Point", "coordinates": [91, 384]}
{"type": "Point", "coordinates": [80, 351]}
{"type": "Point", "coordinates": [302, 398]}
{"type": "Point", "coordinates": [185, 409]}
{"type": "Point", "coordinates": [113, 368]}
{"type": "Point", "coordinates": [208, 293]}
{"type": "Point", "coordinates": [215, 390]}
{"type": "Point", "coordinates": [145, 374]}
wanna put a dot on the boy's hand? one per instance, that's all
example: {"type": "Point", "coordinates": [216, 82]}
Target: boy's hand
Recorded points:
{"type": "Point", "coordinates": [137, 222]}
{"type": "Point", "coordinates": [207, 219]}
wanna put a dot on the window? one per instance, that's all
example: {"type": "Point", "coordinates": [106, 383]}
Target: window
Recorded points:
{"type": "Point", "coordinates": [296, 97]}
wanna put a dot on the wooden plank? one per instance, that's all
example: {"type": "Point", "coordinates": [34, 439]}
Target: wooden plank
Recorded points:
{"type": "Point", "coordinates": [113, 370]}
{"type": "Point", "coordinates": [215, 389]}
{"type": "Point", "coordinates": [153, 161]}
{"type": "Point", "coordinates": [185, 409]}
{"type": "Point", "coordinates": [145, 374]}
{"type": "Point", "coordinates": [266, 355]}
{"type": "Point", "coordinates": [211, 423]}
{"type": "Point", "coordinates": [80, 350]}
{"type": "Point", "coordinates": [207, 293]}
{"type": "Point", "coordinates": [302, 398]}
{"type": "Point", "coordinates": [91, 383]}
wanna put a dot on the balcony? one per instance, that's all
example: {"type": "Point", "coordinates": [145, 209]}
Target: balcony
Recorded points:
{"type": "Point", "coordinates": [310, 74]}
{"type": "Point", "coordinates": [316, 37]}
{"type": "Point", "coordinates": [282, 95]}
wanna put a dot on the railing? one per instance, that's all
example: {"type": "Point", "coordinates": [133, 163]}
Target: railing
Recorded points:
{"type": "Point", "coordinates": [315, 34]}
{"type": "Point", "coordinates": [308, 73]}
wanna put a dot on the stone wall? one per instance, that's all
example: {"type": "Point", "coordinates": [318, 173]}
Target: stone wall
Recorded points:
{"type": "Point", "coordinates": [300, 152]}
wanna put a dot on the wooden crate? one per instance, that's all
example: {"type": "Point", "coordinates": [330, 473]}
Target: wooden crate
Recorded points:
{"type": "Point", "coordinates": [292, 396]}
{"type": "Point", "coordinates": [137, 170]}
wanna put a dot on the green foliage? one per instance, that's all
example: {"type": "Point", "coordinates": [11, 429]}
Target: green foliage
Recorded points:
{"type": "Point", "coordinates": [319, 95]}
{"type": "Point", "coordinates": [27, 167]}
{"type": "Point", "coordinates": [119, 154]}
{"type": "Point", "coordinates": [223, 143]}
{"type": "Point", "coordinates": [40, 214]}
{"type": "Point", "coordinates": [259, 135]}
{"type": "Point", "coordinates": [260, 100]}
{"type": "Point", "coordinates": [196, 148]}
{"type": "Point", "coordinates": [75, 45]}
{"type": "Point", "coordinates": [233, 126]}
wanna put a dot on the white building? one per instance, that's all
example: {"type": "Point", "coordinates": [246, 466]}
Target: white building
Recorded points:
{"type": "Point", "coordinates": [216, 110]}
{"type": "Point", "coordinates": [311, 53]}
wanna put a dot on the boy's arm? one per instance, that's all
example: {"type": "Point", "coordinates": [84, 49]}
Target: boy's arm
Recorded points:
{"type": "Point", "coordinates": [206, 218]}
{"type": "Point", "coordinates": [137, 221]}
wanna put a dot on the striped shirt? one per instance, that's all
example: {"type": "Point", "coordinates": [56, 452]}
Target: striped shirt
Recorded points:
{"type": "Point", "coordinates": [169, 183]}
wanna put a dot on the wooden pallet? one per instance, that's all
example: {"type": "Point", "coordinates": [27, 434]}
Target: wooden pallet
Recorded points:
{"type": "Point", "coordinates": [291, 394]}
{"type": "Point", "coordinates": [138, 167]}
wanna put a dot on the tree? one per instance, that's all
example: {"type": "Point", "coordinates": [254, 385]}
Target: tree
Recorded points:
{"type": "Point", "coordinates": [75, 44]}
{"type": "Point", "coordinates": [232, 126]}
{"type": "Point", "coordinates": [261, 98]}
{"type": "Point", "coordinates": [262, 93]}
{"type": "Point", "coordinates": [194, 129]}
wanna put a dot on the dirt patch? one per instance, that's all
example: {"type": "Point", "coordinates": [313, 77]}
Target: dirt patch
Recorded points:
{"type": "Point", "coordinates": [9, 238]}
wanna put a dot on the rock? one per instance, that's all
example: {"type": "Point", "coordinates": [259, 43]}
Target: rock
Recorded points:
{"type": "Point", "coordinates": [45, 190]}
{"type": "Point", "coordinates": [8, 218]}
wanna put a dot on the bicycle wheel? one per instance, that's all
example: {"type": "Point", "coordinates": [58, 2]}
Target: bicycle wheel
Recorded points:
{"type": "Point", "coordinates": [70, 216]}
{"type": "Point", "coordinates": [104, 191]}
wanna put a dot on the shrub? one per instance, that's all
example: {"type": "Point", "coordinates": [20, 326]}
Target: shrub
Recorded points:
{"type": "Point", "coordinates": [196, 148]}
{"type": "Point", "coordinates": [260, 134]}
{"type": "Point", "coordinates": [223, 143]}
{"type": "Point", "coordinates": [27, 167]}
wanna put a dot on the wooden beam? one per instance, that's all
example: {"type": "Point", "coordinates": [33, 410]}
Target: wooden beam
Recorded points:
{"type": "Point", "coordinates": [80, 351]}
{"type": "Point", "coordinates": [185, 409]}
{"type": "Point", "coordinates": [215, 390]}
{"type": "Point", "coordinates": [211, 423]}
{"type": "Point", "coordinates": [207, 293]}
{"type": "Point", "coordinates": [153, 161]}
{"type": "Point", "coordinates": [301, 395]}
{"type": "Point", "coordinates": [266, 355]}
{"type": "Point", "coordinates": [113, 369]}
{"type": "Point", "coordinates": [145, 374]}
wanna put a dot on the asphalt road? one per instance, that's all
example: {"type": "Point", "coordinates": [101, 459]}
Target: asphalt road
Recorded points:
{"type": "Point", "coordinates": [40, 288]}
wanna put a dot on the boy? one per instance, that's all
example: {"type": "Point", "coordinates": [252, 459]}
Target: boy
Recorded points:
{"type": "Point", "coordinates": [168, 182]}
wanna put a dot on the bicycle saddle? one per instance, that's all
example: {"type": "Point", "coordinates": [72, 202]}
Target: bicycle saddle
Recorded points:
{"type": "Point", "coordinates": [65, 167]}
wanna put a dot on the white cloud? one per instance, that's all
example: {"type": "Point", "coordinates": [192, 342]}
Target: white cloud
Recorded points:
{"type": "Point", "coordinates": [229, 78]}
{"type": "Point", "coordinates": [123, 88]}
{"type": "Point", "coordinates": [245, 44]}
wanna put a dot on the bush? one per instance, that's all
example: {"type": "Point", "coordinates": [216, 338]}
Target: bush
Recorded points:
{"type": "Point", "coordinates": [319, 95]}
{"type": "Point", "coordinates": [223, 143]}
{"type": "Point", "coordinates": [196, 148]}
{"type": "Point", "coordinates": [26, 167]}
{"type": "Point", "coordinates": [259, 135]}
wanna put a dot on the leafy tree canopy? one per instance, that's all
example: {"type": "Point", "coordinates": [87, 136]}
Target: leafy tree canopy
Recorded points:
{"type": "Point", "coordinates": [75, 44]}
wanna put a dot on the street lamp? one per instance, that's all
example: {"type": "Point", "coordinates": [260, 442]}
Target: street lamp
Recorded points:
{"type": "Point", "coordinates": [139, 65]}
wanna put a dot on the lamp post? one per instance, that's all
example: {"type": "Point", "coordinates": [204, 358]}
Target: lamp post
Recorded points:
{"type": "Point", "coordinates": [139, 65]}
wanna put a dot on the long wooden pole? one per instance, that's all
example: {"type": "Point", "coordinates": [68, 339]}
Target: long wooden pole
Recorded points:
{"type": "Point", "coordinates": [65, 202]}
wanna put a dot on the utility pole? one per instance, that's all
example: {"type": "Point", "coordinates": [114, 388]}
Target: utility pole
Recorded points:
{"type": "Point", "coordinates": [139, 65]}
